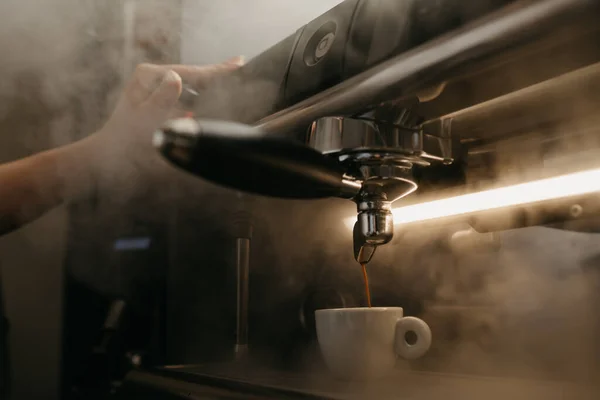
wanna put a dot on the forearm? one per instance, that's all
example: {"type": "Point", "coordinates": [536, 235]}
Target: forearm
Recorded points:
{"type": "Point", "coordinates": [34, 185]}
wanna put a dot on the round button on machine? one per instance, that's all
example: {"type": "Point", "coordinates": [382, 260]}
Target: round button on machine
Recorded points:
{"type": "Point", "coordinates": [320, 43]}
{"type": "Point", "coordinates": [324, 45]}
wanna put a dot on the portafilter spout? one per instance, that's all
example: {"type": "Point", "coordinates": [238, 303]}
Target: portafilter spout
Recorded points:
{"type": "Point", "coordinates": [374, 226]}
{"type": "Point", "coordinates": [380, 155]}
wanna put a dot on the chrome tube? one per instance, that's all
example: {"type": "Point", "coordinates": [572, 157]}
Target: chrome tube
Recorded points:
{"type": "Point", "coordinates": [514, 110]}
{"type": "Point", "coordinates": [243, 276]}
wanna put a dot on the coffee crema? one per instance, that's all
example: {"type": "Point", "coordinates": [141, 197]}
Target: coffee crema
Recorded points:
{"type": "Point", "coordinates": [366, 280]}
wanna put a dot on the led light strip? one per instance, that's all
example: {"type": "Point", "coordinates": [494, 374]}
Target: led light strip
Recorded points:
{"type": "Point", "coordinates": [575, 184]}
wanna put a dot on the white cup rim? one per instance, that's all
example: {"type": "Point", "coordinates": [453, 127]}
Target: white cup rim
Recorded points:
{"type": "Point", "coordinates": [358, 310]}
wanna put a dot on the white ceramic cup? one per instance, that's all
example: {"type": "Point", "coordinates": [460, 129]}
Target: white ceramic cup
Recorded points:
{"type": "Point", "coordinates": [364, 343]}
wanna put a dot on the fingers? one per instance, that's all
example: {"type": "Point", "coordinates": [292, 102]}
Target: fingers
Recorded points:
{"type": "Point", "coordinates": [237, 61]}
{"type": "Point", "coordinates": [197, 76]}
{"type": "Point", "coordinates": [147, 77]}
{"type": "Point", "coordinates": [145, 80]}
{"type": "Point", "coordinates": [160, 104]}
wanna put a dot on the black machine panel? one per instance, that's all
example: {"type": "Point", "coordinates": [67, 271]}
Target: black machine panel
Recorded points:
{"type": "Point", "coordinates": [349, 39]}
{"type": "Point", "coordinates": [318, 61]}
{"type": "Point", "coordinates": [253, 91]}
{"type": "Point", "coordinates": [382, 29]}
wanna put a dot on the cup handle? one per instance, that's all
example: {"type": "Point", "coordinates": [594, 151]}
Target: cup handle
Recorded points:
{"type": "Point", "coordinates": [421, 329]}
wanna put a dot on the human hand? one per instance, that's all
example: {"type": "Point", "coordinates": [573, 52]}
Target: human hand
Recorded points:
{"type": "Point", "coordinates": [122, 148]}
{"type": "Point", "coordinates": [151, 97]}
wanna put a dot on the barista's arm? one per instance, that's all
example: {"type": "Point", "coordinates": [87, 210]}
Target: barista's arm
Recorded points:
{"type": "Point", "coordinates": [32, 186]}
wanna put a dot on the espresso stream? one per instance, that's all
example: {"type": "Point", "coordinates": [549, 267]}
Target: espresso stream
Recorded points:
{"type": "Point", "coordinates": [366, 279]}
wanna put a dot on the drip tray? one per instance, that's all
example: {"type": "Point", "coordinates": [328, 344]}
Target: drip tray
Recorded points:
{"type": "Point", "coordinates": [228, 381]}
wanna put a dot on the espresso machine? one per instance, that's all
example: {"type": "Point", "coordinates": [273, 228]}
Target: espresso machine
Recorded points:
{"type": "Point", "coordinates": [449, 125]}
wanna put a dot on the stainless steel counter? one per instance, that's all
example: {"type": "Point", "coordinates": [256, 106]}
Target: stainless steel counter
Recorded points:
{"type": "Point", "coordinates": [238, 381]}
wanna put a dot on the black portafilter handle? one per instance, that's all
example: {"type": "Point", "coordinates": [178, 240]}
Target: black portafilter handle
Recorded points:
{"type": "Point", "coordinates": [247, 159]}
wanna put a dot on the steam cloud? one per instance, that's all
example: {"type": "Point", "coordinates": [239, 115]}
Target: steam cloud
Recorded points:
{"type": "Point", "coordinates": [526, 309]}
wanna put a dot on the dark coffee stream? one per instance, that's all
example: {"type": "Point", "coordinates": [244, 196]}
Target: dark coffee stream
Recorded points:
{"type": "Point", "coordinates": [366, 279]}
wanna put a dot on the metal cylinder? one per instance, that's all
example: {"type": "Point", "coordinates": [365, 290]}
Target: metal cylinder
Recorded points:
{"type": "Point", "coordinates": [243, 276]}
{"type": "Point", "coordinates": [376, 225]}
